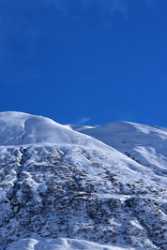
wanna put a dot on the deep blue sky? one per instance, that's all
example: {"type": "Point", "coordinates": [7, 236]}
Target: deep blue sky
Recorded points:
{"type": "Point", "coordinates": [75, 59]}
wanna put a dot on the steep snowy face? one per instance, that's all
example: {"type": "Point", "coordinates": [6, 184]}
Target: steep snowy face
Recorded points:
{"type": "Point", "coordinates": [144, 144]}
{"type": "Point", "coordinates": [18, 128]}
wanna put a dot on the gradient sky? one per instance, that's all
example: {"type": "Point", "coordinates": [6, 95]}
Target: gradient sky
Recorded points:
{"type": "Point", "coordinates": [75, 60]}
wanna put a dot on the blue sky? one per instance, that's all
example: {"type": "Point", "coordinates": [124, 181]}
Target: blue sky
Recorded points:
{"type": "Point", "coordinates": [75, 60]}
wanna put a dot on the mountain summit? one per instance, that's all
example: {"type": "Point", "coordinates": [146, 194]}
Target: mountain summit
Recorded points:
{"type": "Point", "coordinates": [17, 128]}
{"type": "Point", "coordinates": [63, 190]}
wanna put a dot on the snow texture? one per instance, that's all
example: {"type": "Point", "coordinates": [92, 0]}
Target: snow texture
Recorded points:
{"type": "Point", "coordinates": [60, 244]}
{"type": "Point", "coordinates": [18, 128]}
{"type": "Point", "coordinates": [63, 190]}
{"type": "Point", "coordinates": [144, 144]}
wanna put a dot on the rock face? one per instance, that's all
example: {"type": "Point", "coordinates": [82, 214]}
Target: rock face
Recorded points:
{"type": "Point", "coordinates": [71, 196]}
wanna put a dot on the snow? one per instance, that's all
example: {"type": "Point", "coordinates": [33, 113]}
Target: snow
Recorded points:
{"type": "Point", "coordinates": [63, 190]}
{"type": "Point", "coordinates": [60, 244]}
{"type": "Point", "coordinates": [145, 144]}
{"type": "Point", "coordinates": [17, 128]}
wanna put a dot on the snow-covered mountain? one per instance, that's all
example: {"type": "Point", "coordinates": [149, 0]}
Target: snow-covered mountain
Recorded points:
{"type": "Point", "coordinates": [18, 128]}
{"type": "Point", "coordinates": [145, 144]}
{"type": "Point", "coordinates": [64, 190]}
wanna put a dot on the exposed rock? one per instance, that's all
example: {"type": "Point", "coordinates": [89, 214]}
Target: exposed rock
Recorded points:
{"type": "Point", "coordinates": [46, 195]}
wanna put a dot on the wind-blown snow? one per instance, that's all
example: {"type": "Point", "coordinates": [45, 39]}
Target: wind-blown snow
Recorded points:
{"type": "Point", "coordinates": [17, 128]}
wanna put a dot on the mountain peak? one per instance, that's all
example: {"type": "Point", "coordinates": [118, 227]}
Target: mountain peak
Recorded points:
{"type": "Point", "coordinates": [18, 128]}
{"type": "Point", "coordinates": [23, 128]}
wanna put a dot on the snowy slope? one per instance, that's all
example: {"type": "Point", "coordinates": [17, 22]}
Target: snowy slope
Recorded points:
{"type": "Point", "coordinates": [18, 128]}
{"type": "Point", "coordinates": [145, 144]}
{"type": "Point", "coordinates": [60, 244]}
{"type": "Point", "coordinates": [63, 190]}
{"type": "Point", "coordinates": [81, 193]}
